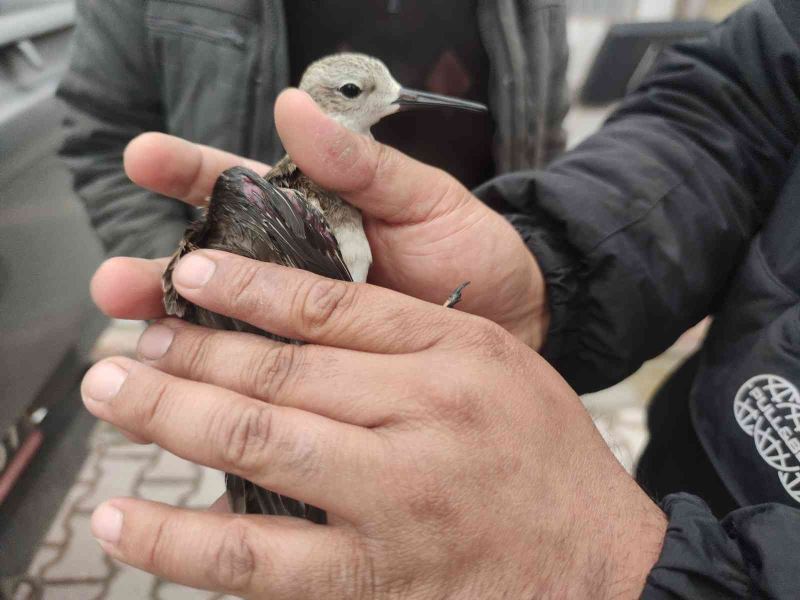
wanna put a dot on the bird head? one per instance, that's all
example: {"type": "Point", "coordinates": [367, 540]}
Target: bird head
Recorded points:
{"type": "Point", "coordinates": [358, 91]}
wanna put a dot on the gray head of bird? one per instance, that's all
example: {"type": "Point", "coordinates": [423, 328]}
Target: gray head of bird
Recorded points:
{"type": "Point", "coordinates": [358, 91]}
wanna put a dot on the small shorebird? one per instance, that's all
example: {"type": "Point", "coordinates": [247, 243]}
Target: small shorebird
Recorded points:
{"type": "Point", "coordinates": [285, 218]}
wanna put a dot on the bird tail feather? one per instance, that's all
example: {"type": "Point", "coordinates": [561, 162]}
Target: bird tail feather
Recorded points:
{"type": "Point", "coordinates": [245, 497]}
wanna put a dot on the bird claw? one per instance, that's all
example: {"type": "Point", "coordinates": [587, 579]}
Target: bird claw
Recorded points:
{"type": "Point", "coordinates": [455, 297]}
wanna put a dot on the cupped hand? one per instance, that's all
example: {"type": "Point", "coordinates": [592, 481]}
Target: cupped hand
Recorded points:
{"type": "Point", "coordinates": [452, 460]}
{"type": "Point", "coordinates": [427, 232]}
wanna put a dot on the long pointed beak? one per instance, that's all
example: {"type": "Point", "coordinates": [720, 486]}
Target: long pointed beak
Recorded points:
{"type": "Point", "coordinates": [411, 99]}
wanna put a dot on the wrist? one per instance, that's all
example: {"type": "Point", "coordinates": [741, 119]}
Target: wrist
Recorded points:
{"type": "Point", "coordinates": [606, 556]}
{"type": "Point", "coordinates": [634, 550]}
{"type": "Point", "coordinates": [531, 326]}
{"type": "Point", "coordinates": [610, 551]}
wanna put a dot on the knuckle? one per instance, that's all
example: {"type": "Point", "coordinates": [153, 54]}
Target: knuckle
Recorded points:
{"type": "Point", "coordinates": [272, 370]}
{"type": "Point", "coordinates": [343, 152]}
{"type": "Point", "coordinates": [194, 185]}
{"type": "Point", "coordinates": [426, 495]}
{"type": "Point", "coordinates": [300, 455]}
{"type": "Point", "coordinates": [458, 406]}
{"type": "Point", "coordinates": [365, 163]}
{"type": "Point", "coordinates": [156, 410]}
{"type": "Point", "coordinates": [233, 565]}
{"type": "Point", "coordinates": [384, 161]}
{"type": "Point", "coordinates": [491, 340]}
{"type": "Point", "coordinates": [244, 437]}
{"type": "Point", "coordinates": [322, 303]}
{"type": "Point", "coordinates": [158, 555]}
{"type": "Point", "coordinates": [434, 505]}
{"type": "Point", "coordinates": [197, 353]}
{"type": "Point", "coordinates": [350, 555]}
{"type": "Point", "coordinates": [239, 286]}
{"type": "Point", "coordinates": [446, 192]}
{"type": "Point", "coordinates": [449, 400]}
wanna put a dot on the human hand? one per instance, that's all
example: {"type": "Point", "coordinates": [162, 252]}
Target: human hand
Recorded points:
{"type": "Point", "coordinates": [452, 460]}
{"type": "Point", "coordinates": [427, 232]}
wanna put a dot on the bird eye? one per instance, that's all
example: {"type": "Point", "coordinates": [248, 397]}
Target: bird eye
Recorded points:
{"type": "Point", "coordinates": [350, 90]}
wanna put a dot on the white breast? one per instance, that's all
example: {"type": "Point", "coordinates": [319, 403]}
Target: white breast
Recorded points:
{"type": "Point", "coordinates": [354, 247]}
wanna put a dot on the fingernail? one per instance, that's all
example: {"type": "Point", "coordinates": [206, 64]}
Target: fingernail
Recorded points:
{"type": "Point", "coordinates": [103, 381]}
{"type": "Point", "coordinates": [107, 523]}
{"type": "Point", "coordinates": [194, 271]}
{"type": "Point", "coordinates": [155, 342]}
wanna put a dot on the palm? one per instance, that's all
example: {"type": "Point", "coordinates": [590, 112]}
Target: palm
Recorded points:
{"type": "Point", "coordinates": [428, 260]}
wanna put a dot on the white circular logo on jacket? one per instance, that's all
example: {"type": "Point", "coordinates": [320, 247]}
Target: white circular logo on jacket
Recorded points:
{"type": "Point", "coordinates": [767, 407]}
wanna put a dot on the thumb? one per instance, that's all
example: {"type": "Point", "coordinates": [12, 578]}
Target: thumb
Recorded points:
{"type": "Point", "coordinates": [383, 182]}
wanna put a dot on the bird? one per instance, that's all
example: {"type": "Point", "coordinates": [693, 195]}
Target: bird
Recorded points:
{"type": "Point", "coordinates": [285, 218]}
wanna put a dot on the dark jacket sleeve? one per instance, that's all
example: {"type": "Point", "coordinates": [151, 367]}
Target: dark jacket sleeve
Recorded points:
{"type": "Point", "coordinates": [112, 95]}
{"type": "Point", "coordinates": [638, 229]}
{"type": "Point", "coordinates": [752, 553]}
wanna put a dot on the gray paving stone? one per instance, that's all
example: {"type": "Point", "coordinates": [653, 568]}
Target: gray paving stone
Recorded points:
{"type": "Point", "coordinates": [174, 493]}
{"type": "Point", "coordinates": [80, 591]}
{"type": "Point", "coordinates": [631, 428]}
{"type": "Point", "coordinates": [43, 557]}
{"type": "Point", "coordinates": [212, 486]}
{"type": "Point", "coordinates": [169, 466]}
{"type": "Point", "coordinates": [24, 591]}
{"type": "Point", "coordinates": [88, 472]}
{"type": "Point", "coordinates": [615, 442]}
{"type": "Point", "coordinates": [121, 338]}
{"type": "Point", "coordinates": [173, 591]}
{"type": "Point", "coordinates": [109, 436]}
{"type": "Point", "coordinates": [83, 558]}
{"type": "Point", "coordinates": [118, 478]}
{"type": "Point", "coordinates": [130, 584]}
{"type": "Point", "coordinates": [131, 449]}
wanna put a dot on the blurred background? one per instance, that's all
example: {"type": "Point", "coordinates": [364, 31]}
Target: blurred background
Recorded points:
{"type": "Point", "coordinates": [56, 462]}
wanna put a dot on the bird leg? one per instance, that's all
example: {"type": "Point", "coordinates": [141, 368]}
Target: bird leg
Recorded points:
{"type": "Point", "coordinates": [455, 297]}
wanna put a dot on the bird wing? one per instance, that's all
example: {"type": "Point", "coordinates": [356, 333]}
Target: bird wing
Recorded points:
{"type": "Point", "coordinates": [298, 231]}
{"type": "Point", "coordinates": [250, 216]}
{"type": "Point", "coordinates": [192, 240]}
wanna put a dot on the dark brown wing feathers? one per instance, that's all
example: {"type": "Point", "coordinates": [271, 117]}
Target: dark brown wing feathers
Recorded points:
{"type": "Point", "coordinates": [250, 216]}
{"type": "Point", "coordinates": [268, 219]}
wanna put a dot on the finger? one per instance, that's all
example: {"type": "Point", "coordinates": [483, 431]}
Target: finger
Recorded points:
{"type": "Point", "coordinates": [249, 556]}
{"type": "Point", "coordinates": [300, 305]}
{"type": "Point", "coordinates": [135, 439]}
{"type": "Point", "coordinates": [312, 378]}
{"type": "Point", "coordinates": [130, 288]}
{"type": "Point", "coordinates": [384, 183]}
{"type": "Point", "coordinates": [178, 168]}
{"type": "Point", "coordinates": [294, 453]}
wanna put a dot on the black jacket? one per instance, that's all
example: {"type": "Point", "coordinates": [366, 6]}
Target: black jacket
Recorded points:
{"type": "Point", "coordinates": [687, 203]}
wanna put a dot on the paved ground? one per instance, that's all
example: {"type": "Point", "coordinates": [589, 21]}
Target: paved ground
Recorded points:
{"type": "Point", "coordinates": [71, 566]}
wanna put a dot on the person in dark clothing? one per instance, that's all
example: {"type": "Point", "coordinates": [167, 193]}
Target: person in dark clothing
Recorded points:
{"type": "Point", "coordinates": [686, 203]}
{"type": "Point", "coordinates": [682, 206]}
